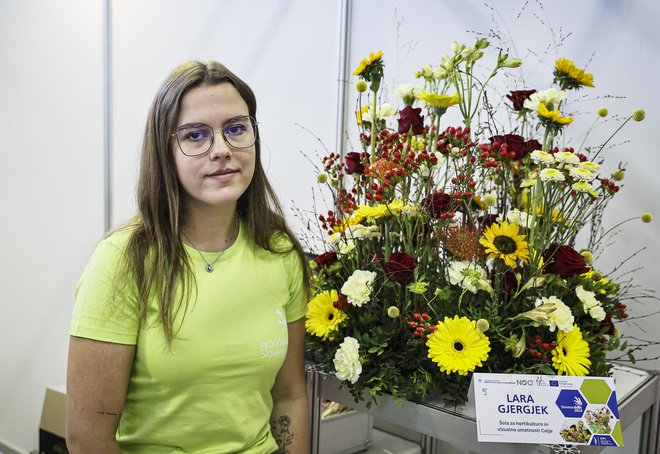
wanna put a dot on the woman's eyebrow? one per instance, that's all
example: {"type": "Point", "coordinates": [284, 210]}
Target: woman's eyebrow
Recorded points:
{"type": "Point", "coordinates": [191, 125]}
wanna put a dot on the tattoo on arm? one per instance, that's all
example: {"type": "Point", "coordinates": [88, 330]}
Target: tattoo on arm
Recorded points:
{"type": "Point", "coordinates": [281, 432]}
{"type": "Point", "coordinates": [108, 413]}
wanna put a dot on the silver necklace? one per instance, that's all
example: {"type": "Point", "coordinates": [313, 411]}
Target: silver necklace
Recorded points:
{"type": "Point", "coordinates": [210, 265]}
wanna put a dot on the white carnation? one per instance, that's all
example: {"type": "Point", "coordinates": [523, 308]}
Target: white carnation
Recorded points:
{"type": "Point", "coordinates": [347, 360]}
{"type": "Point", "coordinates": [590, 304]}
{"type": "Point", "coordinates": [597, 313]}
{"type": "Point", "coordinates": [358, 287]}
{"type": "Point", "coordinates": [561, 317]}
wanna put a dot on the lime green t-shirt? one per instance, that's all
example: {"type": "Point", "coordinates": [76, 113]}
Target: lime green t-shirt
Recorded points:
{"type": "Point", "coordinates": [209, 392]}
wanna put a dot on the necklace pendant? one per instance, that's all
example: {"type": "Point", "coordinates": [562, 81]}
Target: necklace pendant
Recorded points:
{"type": "Point", "coordinates": [209, 267]}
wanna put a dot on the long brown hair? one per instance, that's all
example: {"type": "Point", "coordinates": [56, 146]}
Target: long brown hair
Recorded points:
{"type": "Point", "coordinates": [156, 257]}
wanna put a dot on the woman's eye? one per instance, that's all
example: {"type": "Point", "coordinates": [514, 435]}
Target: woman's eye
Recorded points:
{"type": "Point", "coordinates": [235, 129]}
{"type": "Point", "coordinates": [196, 135]}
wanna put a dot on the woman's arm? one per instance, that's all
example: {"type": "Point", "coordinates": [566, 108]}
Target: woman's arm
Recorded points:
{"type": "Point", "coordinates": [97, 379]}
{"type": "Point", "coordinates": [290, 417]}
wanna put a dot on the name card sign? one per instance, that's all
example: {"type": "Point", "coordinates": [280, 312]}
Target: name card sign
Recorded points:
{"type": "Point", "coordinates": [516, 408]}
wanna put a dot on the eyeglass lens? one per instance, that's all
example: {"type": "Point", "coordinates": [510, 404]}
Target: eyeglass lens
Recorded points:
{"type": "Point", "coordinates": [196, 139]}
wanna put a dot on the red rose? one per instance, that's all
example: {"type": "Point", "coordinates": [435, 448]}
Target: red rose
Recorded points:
{"type": "Point", "coordinates": [341, 303]}
{"type": "Point", "coordinates": [564, 261]}
{"type": "Point", "coordinates": [532, 145]}
{"type": "Point", "coordinates": [400, 267]}
{"type": "Point", "coordinates": [437, 203]}
{"type": "Point", "coordinates": [609, 324]}
{"type": "Point", "coordinates": [326, 259]}
{"type": "Point", "coordinates": [518, 98]}
{"type": "Point", "coordinates": [411, 118]}
{"type": "Point", "coordinates": [354, 163]}
{"type": "Point", "coordinates": [514, 143]}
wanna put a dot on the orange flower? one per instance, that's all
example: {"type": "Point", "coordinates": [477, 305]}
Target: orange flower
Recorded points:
{"type": "Point", "coordinates": [379, 168]}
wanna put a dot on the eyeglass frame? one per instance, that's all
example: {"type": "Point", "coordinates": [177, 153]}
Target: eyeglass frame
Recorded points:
{"type": "Point", "coordinates": [253, 122]}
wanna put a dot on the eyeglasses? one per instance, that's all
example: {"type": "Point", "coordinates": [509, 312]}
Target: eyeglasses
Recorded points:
{"type": "Point", "coordinates": [195, 139]}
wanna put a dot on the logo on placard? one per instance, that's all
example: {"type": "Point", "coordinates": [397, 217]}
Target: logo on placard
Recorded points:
{"type": "Point", "coordinates": [571, 403]}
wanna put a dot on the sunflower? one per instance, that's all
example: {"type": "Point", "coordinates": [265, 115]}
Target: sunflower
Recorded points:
{"type": "Point", "coordinates": [322, 316]}
{"type": "Point", "coordinates": [457, 345]}
{"type": "Point", "coordinates": [568, 76]}
{"type": "Point", "coordinates": [571, 356]}
{"type": "Point", "coordinates": [371, 69]}
{"type": "Point", "coordinates": [502, 241]}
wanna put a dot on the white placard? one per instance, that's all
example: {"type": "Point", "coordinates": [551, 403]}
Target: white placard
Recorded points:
{"type": "Point", "coordinates": [516, 408]}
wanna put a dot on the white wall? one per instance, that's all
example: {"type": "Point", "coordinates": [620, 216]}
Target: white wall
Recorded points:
{"type": "Point", "coordinates": [51, 123]}
{"type": "Point", "coordinates": [51, 184]}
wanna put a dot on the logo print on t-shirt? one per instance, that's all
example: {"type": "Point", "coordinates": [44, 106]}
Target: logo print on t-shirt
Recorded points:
{"type": "Point", "coordinates": [276, 347]}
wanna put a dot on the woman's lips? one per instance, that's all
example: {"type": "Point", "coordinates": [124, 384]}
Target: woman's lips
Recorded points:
{"type": "Point", "coordinates": [222, 174]}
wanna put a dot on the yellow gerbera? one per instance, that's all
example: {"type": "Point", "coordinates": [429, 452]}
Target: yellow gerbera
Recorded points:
{"type": "Point", "coordinates": [553, 115]}
{"type": "Point", "coordinates": [457, 345]}
{"type": "Point", "coordinates": [570, 76]}
{"type": "Point", "coordinates": [346, 223]}
{"type": "Point", "coordinates": [323, 318]}
{"type": "Point", "coordinates": [366, 62]}
{"type": "Point", "coordinates": [571, 356]}
{"type": "Point", "coordinates": [502, 241]}
{"type": "Point", "coordinates": [437, 100]}
{"type": "Point", "coordinates": [379, 211]}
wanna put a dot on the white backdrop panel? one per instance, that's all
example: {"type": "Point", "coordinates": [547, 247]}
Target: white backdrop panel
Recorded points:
{"type": "Point", "coordinates": [51, 181]}
{"type": "Point", "coordinates": [286, 50]}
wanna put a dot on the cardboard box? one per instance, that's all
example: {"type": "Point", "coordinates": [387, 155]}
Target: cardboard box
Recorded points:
{"type": "Point", "coordinates": [345, 433]}
{"type": "Point", "coordinates": [53, 422]}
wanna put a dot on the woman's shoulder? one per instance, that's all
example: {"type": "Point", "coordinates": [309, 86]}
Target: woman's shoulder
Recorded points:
{"type": "Point", "coordinates": [117, 239]}
{"type": "Point", "coordinates": [281, 242]}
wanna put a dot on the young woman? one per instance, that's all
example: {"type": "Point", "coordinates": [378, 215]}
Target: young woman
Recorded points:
{"type": "Point", "coordinates": [187, 333]}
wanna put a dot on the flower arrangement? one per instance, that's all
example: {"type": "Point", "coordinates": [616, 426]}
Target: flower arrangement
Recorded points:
{"type": "Point", "coordinates": [450, 249]}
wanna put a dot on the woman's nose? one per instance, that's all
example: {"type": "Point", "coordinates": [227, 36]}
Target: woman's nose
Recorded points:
{"type": "Point", "coordinates": [219, 148]}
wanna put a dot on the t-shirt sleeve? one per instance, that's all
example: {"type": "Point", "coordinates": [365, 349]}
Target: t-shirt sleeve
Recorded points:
{"type": "Point", "coordinates": [105, 307]}
{"type": "Point", "coordinates": [296, 307]}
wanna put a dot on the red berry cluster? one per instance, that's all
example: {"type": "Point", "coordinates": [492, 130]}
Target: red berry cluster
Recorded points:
{"type": "Point", "coordinates": [540, 349]}
{"type": "Point", "coordinates": [332, 164]}
{"type": "Point", "coordinates": [455, 138]}
{"type": "Point", "coordinates": [397, 159]}
{"type": "Point", "coordinates": [463, 186]}
{"type": "Point", "coordinates": [328, 222]}
{"type": "Point", "coordinates": [420, 325]}
{"type": "Point", "coordinates": [622, 310]}
{"type": "Point", "coordinates": [609, 185]}
{"type": "Point", "coordinates": [489, 154]}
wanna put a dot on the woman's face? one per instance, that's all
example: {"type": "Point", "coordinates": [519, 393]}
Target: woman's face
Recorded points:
{"type": "Point", "coordinates": [215, 179]}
